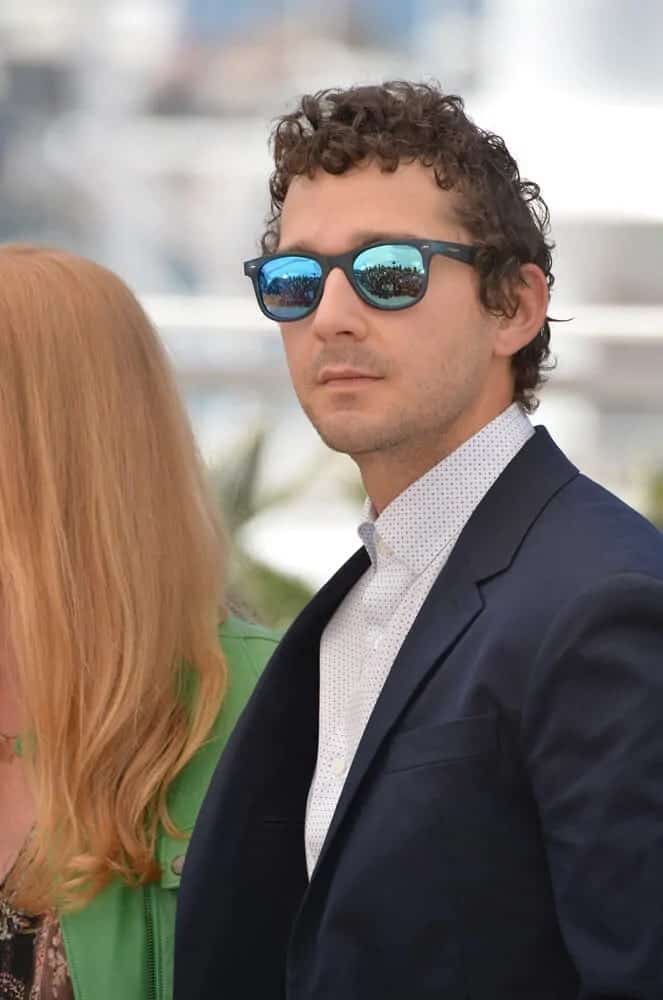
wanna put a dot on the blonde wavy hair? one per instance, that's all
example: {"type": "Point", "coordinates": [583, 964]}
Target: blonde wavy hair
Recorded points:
{"type": "Point", "coordinates": [110, 571]}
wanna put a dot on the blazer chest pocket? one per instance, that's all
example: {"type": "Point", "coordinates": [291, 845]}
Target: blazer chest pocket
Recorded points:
{"type": "Point", "coordinates": [475, 736]}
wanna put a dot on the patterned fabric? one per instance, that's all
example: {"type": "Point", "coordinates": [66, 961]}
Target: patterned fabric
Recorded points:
{"type": "Point", "coordinates": [33, 965]}
{"type": "Point", "coordinates": [408, 544]}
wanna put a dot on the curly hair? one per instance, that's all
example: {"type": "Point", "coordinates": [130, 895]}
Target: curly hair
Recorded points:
{"type": "Point", "coordinates": [399, 121]}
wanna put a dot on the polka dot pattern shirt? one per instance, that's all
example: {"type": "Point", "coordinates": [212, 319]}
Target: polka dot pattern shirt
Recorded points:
{"type": "Point", "coordinates": [408, 544]}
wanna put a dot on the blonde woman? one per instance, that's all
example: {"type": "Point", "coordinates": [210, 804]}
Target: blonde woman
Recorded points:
{"type": "Point", "coordinates": [116, 695]}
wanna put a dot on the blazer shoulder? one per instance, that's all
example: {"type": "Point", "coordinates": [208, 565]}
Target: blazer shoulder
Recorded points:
{"type": "Point", "coordinates": [595, 524]}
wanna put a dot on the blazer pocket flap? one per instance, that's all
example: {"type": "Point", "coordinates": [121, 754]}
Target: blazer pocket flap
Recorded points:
{"type": "Point", "coordinates": [474, 736]}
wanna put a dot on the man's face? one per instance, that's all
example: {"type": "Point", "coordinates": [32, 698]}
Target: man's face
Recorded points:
{"type": "Point", "coordinates": [372, 381]}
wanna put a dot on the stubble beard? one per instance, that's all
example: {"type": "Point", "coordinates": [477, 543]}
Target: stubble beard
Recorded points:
{"type": "Point", "coordinates": [348, 435]}
{"type": "Point", "coordinates": [397, 435]}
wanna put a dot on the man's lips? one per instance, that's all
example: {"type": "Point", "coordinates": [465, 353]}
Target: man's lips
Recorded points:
{"type": "Point", "coordinates": [329, 374]}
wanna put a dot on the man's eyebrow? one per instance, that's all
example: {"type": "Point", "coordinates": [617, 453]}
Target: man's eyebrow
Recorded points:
{"type": "Point", "coordinates": [357, 240]}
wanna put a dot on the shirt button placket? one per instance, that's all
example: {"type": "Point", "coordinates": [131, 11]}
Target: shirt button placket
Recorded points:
{"type": "Point", "coordinates": [339, 766]}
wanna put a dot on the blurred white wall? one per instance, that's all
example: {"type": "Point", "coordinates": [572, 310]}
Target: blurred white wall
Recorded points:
{"type": "Point", "coordinates": [136, 131]}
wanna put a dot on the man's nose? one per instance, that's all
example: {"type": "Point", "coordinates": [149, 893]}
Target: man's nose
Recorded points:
{"type": "Point", "coordinates": [340, 311]}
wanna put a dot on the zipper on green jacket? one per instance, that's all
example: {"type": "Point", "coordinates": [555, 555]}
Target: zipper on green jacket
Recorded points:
{"type": "Point", "coordinates": [150, 944]}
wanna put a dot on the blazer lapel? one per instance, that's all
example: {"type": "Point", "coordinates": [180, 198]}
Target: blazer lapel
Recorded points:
{"type": "Point", "coordinates": [283, 710]}
{"type": "Point", "coordinates": [293, 668]}
{"type": "Point", "coordinates": [487, 546]}
{"type": "Point", "coordinates": [450, 608]}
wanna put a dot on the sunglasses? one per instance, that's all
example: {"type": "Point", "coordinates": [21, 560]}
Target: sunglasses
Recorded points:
{"type": "Point", "coordinates": [388, 276]}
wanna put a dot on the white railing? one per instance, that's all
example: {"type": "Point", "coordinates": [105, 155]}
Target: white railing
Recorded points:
{"type": "Point", "coordinates": [235, 315]}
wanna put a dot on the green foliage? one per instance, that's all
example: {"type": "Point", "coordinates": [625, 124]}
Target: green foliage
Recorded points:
{"type": "Point", "coordinates": [256, 590]}
{"type": "Point", "coordinates": [260, 593]}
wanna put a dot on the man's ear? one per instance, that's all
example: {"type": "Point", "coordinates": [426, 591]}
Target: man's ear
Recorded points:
{"type": "Point", "coordinates": [530, 297]}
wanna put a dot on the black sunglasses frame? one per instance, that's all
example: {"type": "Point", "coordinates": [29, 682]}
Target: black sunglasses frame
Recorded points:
{"type": "Point", "coordinates": [463, 252]}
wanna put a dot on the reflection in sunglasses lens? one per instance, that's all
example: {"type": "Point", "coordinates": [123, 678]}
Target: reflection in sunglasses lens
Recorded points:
{"type": "Point", "coordinates": [390, 276]}
{"type": "Point", "coordinates": [289, 286]}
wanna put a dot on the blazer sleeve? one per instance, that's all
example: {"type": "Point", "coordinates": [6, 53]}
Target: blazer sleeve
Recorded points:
{"type": "Point", "coordinates": [592, 728]}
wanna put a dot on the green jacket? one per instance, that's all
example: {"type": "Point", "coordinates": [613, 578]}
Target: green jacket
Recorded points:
{"type": "Point", "coordinates": [121, 944]}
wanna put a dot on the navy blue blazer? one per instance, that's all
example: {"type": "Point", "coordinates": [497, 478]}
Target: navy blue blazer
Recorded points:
{"type": "Point", "coordinates": [500, 832]}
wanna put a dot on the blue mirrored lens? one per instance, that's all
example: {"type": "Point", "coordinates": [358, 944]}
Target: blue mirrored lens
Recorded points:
{"type": "Point", "coordinates": [289, 286]}
{"type": "Point", "coordinates": [390, 276]}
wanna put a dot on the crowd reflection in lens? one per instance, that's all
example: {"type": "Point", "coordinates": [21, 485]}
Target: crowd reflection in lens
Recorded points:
{"type": "Point", "coordinates": [381, 282]}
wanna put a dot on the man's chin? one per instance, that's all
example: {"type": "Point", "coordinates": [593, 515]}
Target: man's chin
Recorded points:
{"type": "Point", "coordinates": [352, 440]}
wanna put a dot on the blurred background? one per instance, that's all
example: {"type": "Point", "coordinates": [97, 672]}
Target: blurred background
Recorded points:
{"type": "Point", "coordinates": [135, 131]}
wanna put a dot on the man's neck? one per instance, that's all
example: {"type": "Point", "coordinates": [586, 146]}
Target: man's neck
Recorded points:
{"type": "Point", "coordinates": [386, 476]}
{"type": "Point", "coordinates": [388, 473]}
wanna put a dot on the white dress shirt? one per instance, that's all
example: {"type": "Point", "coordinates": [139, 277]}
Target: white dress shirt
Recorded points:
{"type": "Point", "coordinates": [408, 545]}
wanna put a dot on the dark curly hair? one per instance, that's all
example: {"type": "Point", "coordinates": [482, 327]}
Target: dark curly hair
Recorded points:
{"type": "Point", "coordinates": [396, 122]}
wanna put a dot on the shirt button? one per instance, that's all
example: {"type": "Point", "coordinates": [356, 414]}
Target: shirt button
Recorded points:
{"type": "Point", "coordinates": [338, 766]}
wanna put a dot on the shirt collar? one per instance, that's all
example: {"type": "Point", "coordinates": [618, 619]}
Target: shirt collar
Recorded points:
{"type": "Point", "coordinates": [429, 515]}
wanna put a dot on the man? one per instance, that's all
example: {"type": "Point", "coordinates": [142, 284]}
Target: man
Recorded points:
{"type": "Point", "coordinates": [449, 781]}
